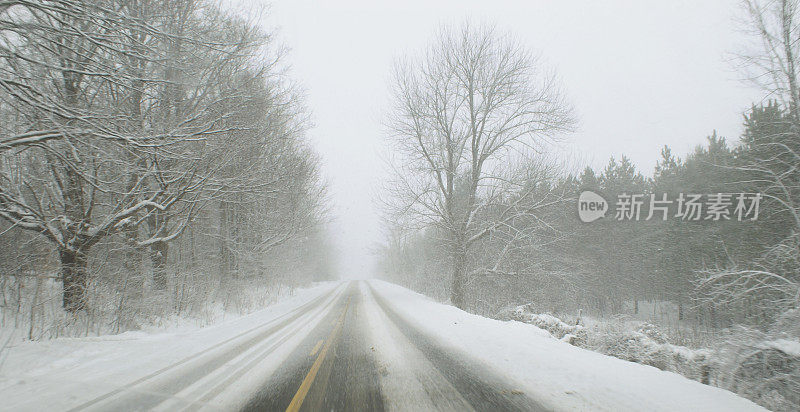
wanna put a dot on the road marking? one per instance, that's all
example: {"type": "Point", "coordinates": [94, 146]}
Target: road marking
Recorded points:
{"type": "Point", "coordinates": [316, 348]}
{"type": "Point", "coordinates": [275, 324]}
{"type": "Point", "coordinates": [254, 362]}
{"type": "Point", "coordinates": [300, 396]}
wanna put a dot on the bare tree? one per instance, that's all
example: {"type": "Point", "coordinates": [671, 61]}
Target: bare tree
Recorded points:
{"type": "Point", "coordinates": [774, 158]}
{"type": "Point", "coordinates": [768, 162]}
{"type": "Point", "coordinates": [770, 285]}
{"type": "Point", "coordinates": [110, 121]}
{"type": "Point", "coordinates": [475, 104]}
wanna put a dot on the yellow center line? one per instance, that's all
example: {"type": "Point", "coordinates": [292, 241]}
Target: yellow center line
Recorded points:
{"type": "Point", "coordinates": [300, 396]}
{"type": "Point", "coordinates": [316, 348]}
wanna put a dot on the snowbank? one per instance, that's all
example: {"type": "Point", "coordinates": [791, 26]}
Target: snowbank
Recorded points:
{"type": "Point", "coordinates": [559, 375]}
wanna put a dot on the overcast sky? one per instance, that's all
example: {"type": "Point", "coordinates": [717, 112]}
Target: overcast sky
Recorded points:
{"type": "Point", "coordinates": [640, 74]}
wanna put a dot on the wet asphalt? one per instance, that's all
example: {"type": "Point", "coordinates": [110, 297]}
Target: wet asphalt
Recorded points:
{"type": "Point", "coordinates": [348, 378]}
{"type": "Point", "coordinates": [335, 367]}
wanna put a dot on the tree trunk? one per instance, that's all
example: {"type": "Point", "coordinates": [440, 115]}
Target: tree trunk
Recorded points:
{"type": "Point", "coordinates": [133, 264]}
{"type": "Point", "coordinates": [713, 313]}
{"type": "Point", "coordinates": [74, 277]}
{"type": "Point", "coordinates": [225, 253]}
{"type": "Point", "coordinates": [601, 304]}
{"type": "Point", "coordinates": [458, 288]}
{"type": "Point", "coordinates": [159, 250]}
{"type": "Point", "coordinates": [158, 255]}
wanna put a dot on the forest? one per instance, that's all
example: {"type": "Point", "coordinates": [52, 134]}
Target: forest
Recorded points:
{"type": "Point", "coordinates": [153, 161]}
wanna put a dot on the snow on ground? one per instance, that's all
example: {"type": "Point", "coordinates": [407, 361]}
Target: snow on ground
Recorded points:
{"type": "Point", "coordinates": [555, 373]}
{"type": "Point", "coordinates": [787, 346]}
{"type": "Point", "coordinates": [71, 370]}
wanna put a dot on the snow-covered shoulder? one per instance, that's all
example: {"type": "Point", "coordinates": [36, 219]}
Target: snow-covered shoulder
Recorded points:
{"type": "Point", "coordinates": [555, 373]}
{"type": "Point", "coordinates": [67, 371]}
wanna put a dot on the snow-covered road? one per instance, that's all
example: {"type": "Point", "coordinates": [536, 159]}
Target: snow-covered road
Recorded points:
{"type": "Point", "coordinates": [346, 346]}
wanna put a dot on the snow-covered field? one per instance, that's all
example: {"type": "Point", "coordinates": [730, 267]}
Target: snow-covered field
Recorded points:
{"type": "Point", "coordinates": [64, 372]}
{"type": "Point", "coordinates": [559, 375]}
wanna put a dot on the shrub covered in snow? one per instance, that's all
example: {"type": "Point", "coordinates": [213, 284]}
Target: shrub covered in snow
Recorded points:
{"type": "Point", "coordinates": [764, 366]}
{"type": "Point", "coordinates": [645, 344]}
{"type": "Point", "coordinates": [770, 375]}
{"type": "Point", "coordinates": [650, 346]}
{"type": "Point", "coordinates": [761, 366]}
{"type": "Point", "coordinates": [572, 334]}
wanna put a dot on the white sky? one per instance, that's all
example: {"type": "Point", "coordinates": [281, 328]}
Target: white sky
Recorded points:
{"type": "Point", "coordinates": [640, 74]}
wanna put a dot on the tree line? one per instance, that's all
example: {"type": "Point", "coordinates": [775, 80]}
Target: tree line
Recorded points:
{"type": "Point", "coordinates": [479, 213]}
{"type": "Point", "coordinates": [144, 138]}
